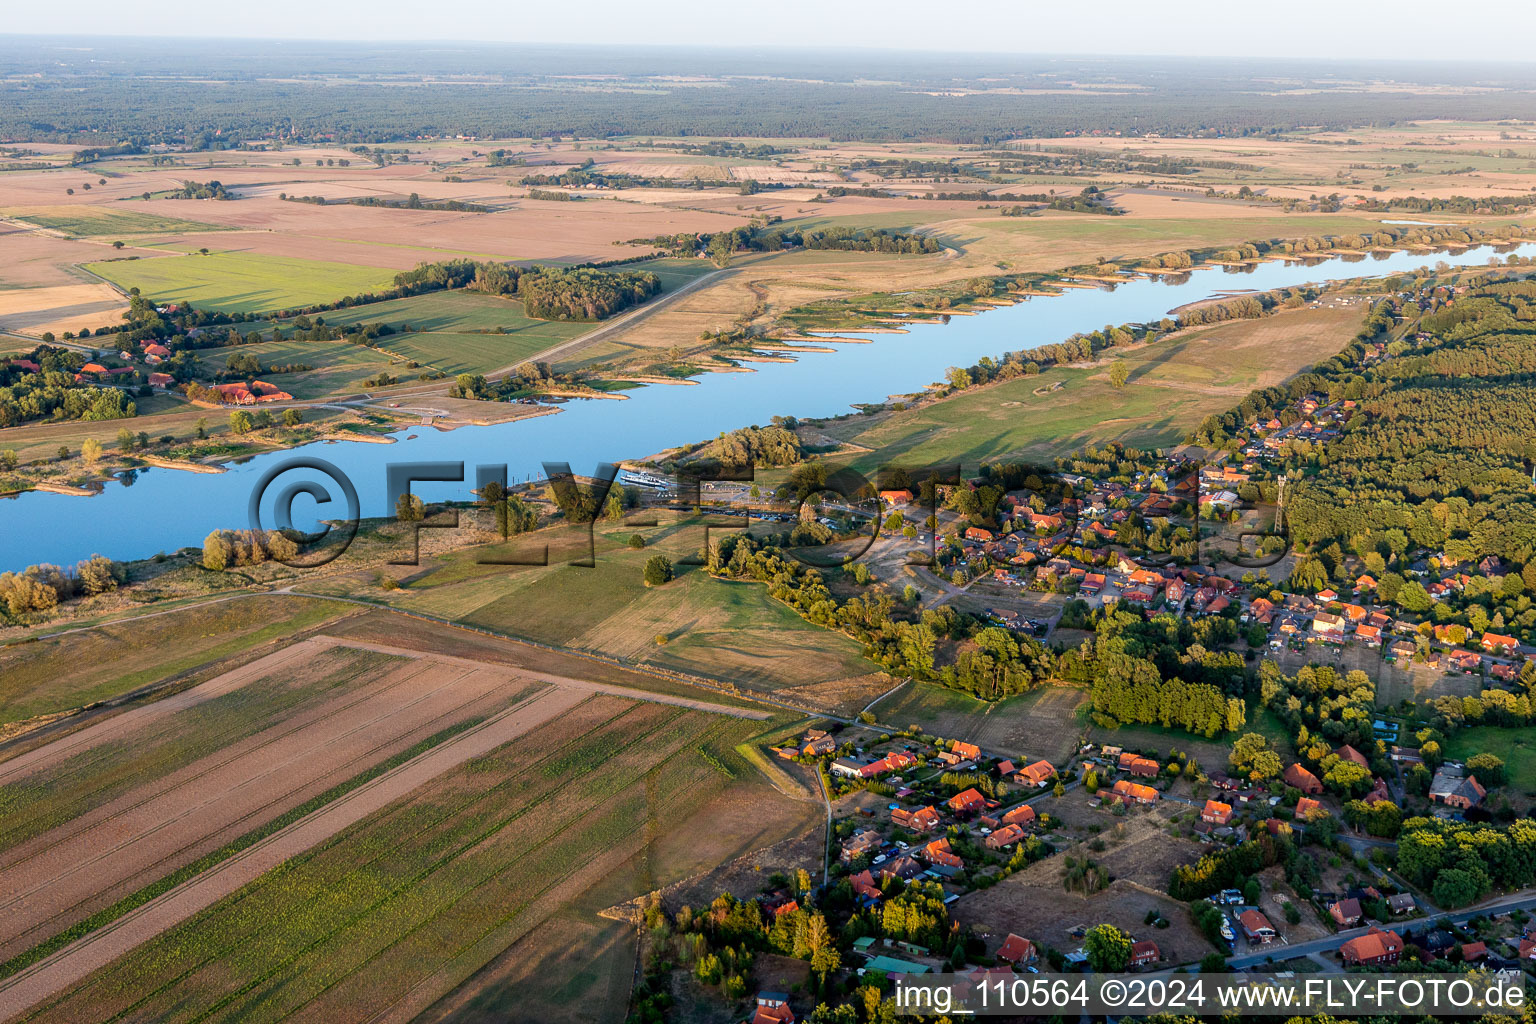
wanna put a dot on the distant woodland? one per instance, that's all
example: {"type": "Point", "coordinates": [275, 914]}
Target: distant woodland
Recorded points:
{"type": "Point", "coordinates": [55, 90]}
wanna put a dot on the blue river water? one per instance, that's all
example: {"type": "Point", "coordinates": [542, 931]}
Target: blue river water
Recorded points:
{"type": "Point", "coordinates": [166, 509]}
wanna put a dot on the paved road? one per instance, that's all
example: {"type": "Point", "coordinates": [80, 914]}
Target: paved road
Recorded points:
{"type": "Point", "coordinates": [1525, 900]}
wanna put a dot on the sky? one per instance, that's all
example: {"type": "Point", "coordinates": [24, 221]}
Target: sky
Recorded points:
{"type": "Point", "coordinates": [1421, 29]}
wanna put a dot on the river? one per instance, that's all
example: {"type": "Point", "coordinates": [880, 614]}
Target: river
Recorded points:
{"type": "Point", "coordinates": [166, 509]}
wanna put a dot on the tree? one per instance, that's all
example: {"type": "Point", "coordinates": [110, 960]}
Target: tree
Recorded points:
{"type": "Point", "coordinates": [1108, 949]}
{"type": "Point", "coordinates": [125, 440]}
{"type": "Point", "coordinates": [658, 570]}
{"type": "Point", "coordinates": [1119, 373]}
{"type": "Point", "coordinates": [292, 417]}
{"type": "Point", "coordinates": [824, 961]}
{"type": "Point", "coordinates": [8, 460]}
{"type": "Point", "coordinates": [216, 551]}
{"type": "Point", "coordinates": [90, 451]}
{"type": "Point", "coordinates": [636, 541]}
{"type": "Point", "coordinates": [1214, 963]}
{"type": "Point", "coordinates": [240, 422]}
{"type": "Point", "coordinates": [1489, 769]}
{"type": "Point", "coordinates": [409, 508]}
{"type": "Point", "coordinates": [117, 245]}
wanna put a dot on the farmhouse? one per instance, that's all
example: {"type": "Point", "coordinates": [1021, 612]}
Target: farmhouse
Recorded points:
{"type": "Point", "coordinates": [1299, 778]}
{"type": "Point", "coordinates": [1377, 946]}
{"type": "Point", "coordinates": [1453, 788]}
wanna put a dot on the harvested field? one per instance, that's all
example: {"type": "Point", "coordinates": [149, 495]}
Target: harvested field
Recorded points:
{"type": "Point", "coordinates": [395, 911]}
{"type": "Point", "coordinates": [387, 704]}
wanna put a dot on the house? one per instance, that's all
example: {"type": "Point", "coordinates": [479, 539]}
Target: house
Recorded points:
{"type": "Point", "coordinates": [939, 854]}
{"type": "Point", "coordinates": [903, 867]}
{"type": "Point", "coordinates": [26, 364]}
{"type": "Point", "coordinates": [864, 887]}
{"type": "Point", "coordinates": [967, 801]}
{"type": "Point", "coordinates": [1021, 815]}
{"type": "Point", "coordinates": [161, 380]}
{"type": "Point", "coordinates": [1129, 792]}
{"type": "Point", "coordinates": [1299, 778]}
{"type": "Point", "coordinates": [1346, 913]}
{"type": "Point", "coordinates": [896, 498]}
{"type": "Point", "coordinates": [1499, 644]}
{"type": "Point", "coordinates": [157, 350]}
{"type": "Point", "coordinates": [773, 1008]}
{"type": "Point", "coordinates": [977, 533]}
{"type": "Point", "coordinates": [1402, 903]}
{"type": "Point", "coordinates": [848, 767]}
{"type": "Point", "coordinates": [1453, 788]}
{"type": "Point", "coordinates": [924, 819]}
{"type": "Point", "coordinates": [1377, 946]}
{"type": "Point", "coordinates": [1328, 624]}
{"type": "Point", "coordinates": [1256, 927]}
{"type": "Point", "coordinates": [969, 751]}
{"type": "Point", "coordinates": [1379, 794]}
{"type": "Point", "coordinates": [1143, 767]}
{"type": "Point", "coordinates": [1403, 649]}
{"type": "Point", "coordinates": [1306, 807]}
{"type": "Point", "coordinates": [1004, 837]}
{"type": "Point", "coordinates": [818, 746]}
{"type": "Point", "coordinates": [1466, 661]}
{"type": "Point", "coordinates": [1016, 950]}
{"type": "Point", "coordinates": [1216, 813]}
{"type": "Point", "coordinates": [860, 843]}
{"type": "Point", "coordinates": [1368, 634]}
{"type": "Point", "coordinates": [1349, 753]}
{"type": "Point", "coordinates": [1472, 952]}
{"type": "Point", "coordinates": [1040, 774]}
{"type": "Point", "coordinates": [1144, 952]}
{"type": "Point", "coordinates": [1092, 583]}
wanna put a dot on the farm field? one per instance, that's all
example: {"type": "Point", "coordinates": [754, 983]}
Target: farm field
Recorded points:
{"type": "Point", "coordinates": [402, 907]}
{"type": "Point", "coordinates": [713, 628]}
{"type": "Point", "coordinates": [242, 282]}
{"type": "Point", "coordinates": [100, 221]}
{"type": "Point", "coordinates": [1042, 723]}
{"type": "Point", "coordinates": [58, 674]}
{"type": "Point", "coordinates": [338, 712]}
{"type": "Point", "coordinates": [1173, 385]}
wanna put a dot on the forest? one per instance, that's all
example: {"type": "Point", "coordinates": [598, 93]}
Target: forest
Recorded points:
{"type": "Point", "coordinates": [350, 94]}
